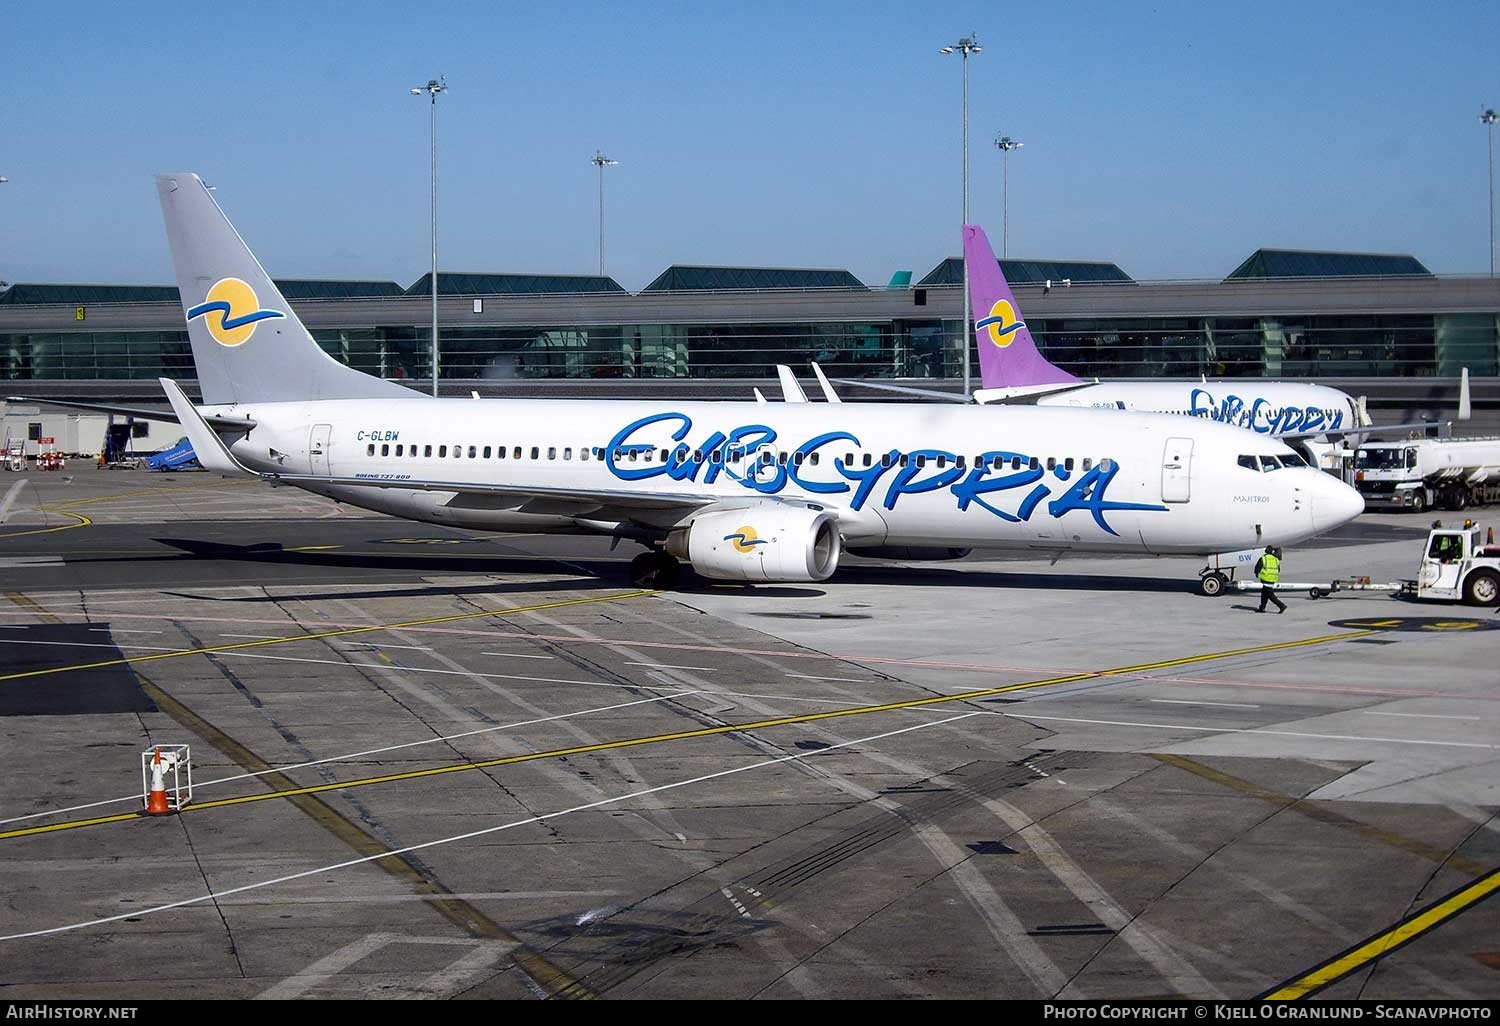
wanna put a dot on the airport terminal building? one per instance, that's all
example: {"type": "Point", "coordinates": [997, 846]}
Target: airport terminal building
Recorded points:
{"type": "Point", "coordinates": [1383, 322]}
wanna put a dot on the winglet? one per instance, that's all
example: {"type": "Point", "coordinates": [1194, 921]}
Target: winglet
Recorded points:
{"type": "Point", "coordinates": [758, 396]}
{"type": "Point", "coordinates": [790, 391]}
{"type": "Point", "coordinates": [212, 452]}
{"type": "Point", "coordinates": [828, 392]}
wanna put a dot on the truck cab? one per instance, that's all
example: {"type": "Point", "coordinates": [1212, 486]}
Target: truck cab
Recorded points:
{"type": "Point", "coordinates": [1458, 565]}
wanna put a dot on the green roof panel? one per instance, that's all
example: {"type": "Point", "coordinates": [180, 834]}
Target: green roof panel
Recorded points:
{"type": "Point", "coordinates": [1303, 263]}
{"type": "Point", "coordinates": [454, 283]}
{"type": "Point", "coordinates": [693, 278]}
{"type": "Point", "coordinates": [1031, 272]}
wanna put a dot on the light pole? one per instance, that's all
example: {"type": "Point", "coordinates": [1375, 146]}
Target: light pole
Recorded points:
{"type": "Point", "coordinates": [601, 162]}
{"type": "Point", "coordinates": [1005, 144]}
{"type": "Point", "coordinates": [967, 45]}
{"type": "Point", "coordinates": [432, 88]}
{"type": "Point", "coordinates": [1488, 119]}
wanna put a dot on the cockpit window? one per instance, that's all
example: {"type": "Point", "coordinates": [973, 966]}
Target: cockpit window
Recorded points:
{"type": "Point", "coordinates": [1268, 464]}
{"type": "Point", "coordinates": [1248, 462]}
{"type": "Point", "coordinates": [1292, 459]}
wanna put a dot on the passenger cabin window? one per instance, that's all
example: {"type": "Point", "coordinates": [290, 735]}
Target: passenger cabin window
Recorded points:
{"type": "Point", "coordinates": [1068, 463]}
{"type": "Point", "coordinates": [869, 459]}
{"type": "Point", "coordinates": [428, 451]}
{"type": "Point", "coordinates": [486, 452]}
{"type": "Point", "coordinates": [1106, 465]}
{"type": "Point", "coordinates": [568, 453]}
{"type": "Point", "coordinates": [1051, 462]}
{"type": "Point", "coordinates": [472, 452]}
{"type": "Point", "coordinates": [1088, 462]}
{"type": "Point", "coordinates": [442, 452]}
{"type": "Point", "coordinates": [370, 449]}
{"type": "Point", "coordinates": [398, 450]}
{"type": "Point", "coordinates": [552, 452]}
{"type": "Point", "coordinates": [536, 453]}
{"type": "Point", "coordinates": [385, 450]}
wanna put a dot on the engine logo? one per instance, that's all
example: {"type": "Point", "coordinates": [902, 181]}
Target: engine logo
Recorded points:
{"type": "Point", "coordinates": [745, 539]}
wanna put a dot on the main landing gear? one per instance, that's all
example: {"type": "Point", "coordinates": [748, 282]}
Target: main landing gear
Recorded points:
{"type": "Point", "coordinates": [655, 569]}
{"type": "Point", "coordinates": [1213, 583]}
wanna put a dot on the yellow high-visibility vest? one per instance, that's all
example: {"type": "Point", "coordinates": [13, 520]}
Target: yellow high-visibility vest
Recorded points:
{"type": "Point", "coordinates": [1270, 569]}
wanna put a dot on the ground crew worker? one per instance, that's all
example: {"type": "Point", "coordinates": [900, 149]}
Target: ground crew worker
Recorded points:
{"type": "Point", "coordinates": [1268, 570]}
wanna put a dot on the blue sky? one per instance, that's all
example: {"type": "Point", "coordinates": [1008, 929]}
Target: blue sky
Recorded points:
{"type": "Point", "coordinates": [1171, 137]}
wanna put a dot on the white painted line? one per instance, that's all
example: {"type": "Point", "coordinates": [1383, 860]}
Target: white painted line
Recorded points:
{"type": "Point", "coordinates": [260, 637]}
{"type": "Point", "coordinates": [118, 630]}
{"type": "Point", "coordinates": [92, 644]}
{"type": "Point", "coordinates": [841, 680]}
{"type": "Point", "coordinates": [668, 666]}
{"type": "Point", "coordinates": [365, 754]}
{"type": "Point", "coordinates": [370, 644]}
{"type": "Point", "coordinates": [517, 655]}
{"type": "Point", "coordinates": [484, 832]}
{"type": "Point", "coordinates": [419, 669]}
{"type": "Point", "coordinates": [1222, 705]}
{"type": "Point", "coordinates": [1415, 716]}
{"type": "Point", "coordinates": [738, 906]}
{"type": "Point", "coordinates": [18, 561]}
{"type": "Point", "coordinates": [1252, 730]}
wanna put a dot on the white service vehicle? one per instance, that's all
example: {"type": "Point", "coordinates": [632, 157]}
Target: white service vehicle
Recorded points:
{"type": "Point", "coordinates": [1421, 473]}
{"type": "Point", "coordinates": [1457, 566]}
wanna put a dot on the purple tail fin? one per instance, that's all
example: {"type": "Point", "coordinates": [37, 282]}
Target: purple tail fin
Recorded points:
{"type": "Point", "coordinates": [1008, 356]}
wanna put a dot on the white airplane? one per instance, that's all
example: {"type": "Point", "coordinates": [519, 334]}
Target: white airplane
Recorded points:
{"type": "Point", "coordinates": [744, 491]}
{"type": "Point", "coordinates": [1012, 370]}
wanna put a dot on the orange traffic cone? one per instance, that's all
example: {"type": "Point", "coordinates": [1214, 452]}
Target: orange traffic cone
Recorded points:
{"type": "Point", "coordinates": [156, 797]}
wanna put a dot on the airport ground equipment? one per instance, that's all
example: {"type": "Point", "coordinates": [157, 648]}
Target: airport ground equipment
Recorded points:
{"type": "Point", "coordinates": [178, 457]}
{"type": "Point", "coordinates": [166, 778]}
{"type": "Point", "coordinates": [1458, 565]}
{"type": "Point", "coordinates": [1217, 576]}
{"type": "Point", "coordinates": [1422, 473]}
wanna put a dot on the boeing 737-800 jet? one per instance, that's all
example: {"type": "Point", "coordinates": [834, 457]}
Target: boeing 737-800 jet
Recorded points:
{"type": "Point", "coordinates": [744, 491]}
{"type": "Point", "coordinates": [1012, 370]}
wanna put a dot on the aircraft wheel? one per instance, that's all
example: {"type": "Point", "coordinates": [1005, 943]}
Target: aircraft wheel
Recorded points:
{"type": "Point", "coordinates": [655, 570]}
{"type": "Point", "coordinates": [1213, 584]}
{"type": "Point", "coordinates": [1482, 588]}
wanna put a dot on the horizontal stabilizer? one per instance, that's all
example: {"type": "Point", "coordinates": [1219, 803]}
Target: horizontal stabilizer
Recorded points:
{"type": "Point", "coordinates": [217, 423]}
{"type": "Point", "coordinates": [1021, 395]}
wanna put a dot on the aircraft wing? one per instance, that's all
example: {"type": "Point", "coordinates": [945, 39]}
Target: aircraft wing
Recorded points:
{"type": "Point", "coordinates": [593, 498]}
{"type": "Point", "coordinates": [927, 393]}
{"type": "Point", "coordinates": [218, 423]}
{"type": "Point", "coordinates": [1369, 429]}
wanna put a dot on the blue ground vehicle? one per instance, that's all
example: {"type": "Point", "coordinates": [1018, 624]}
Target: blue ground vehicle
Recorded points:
{"type": "Point", "coordinates": [178, 457]}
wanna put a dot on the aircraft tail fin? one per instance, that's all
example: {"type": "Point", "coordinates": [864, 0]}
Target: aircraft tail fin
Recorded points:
{"type": "Point", "coordinates": [1007, 353]}
{"type": "Point", "coordinates": [248, 344]}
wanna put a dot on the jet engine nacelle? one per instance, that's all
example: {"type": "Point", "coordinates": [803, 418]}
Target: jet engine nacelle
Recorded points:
{"type": "Point", "coordinates": [761, 543]}
{"type": "Point", "coordinates": [909, 553]}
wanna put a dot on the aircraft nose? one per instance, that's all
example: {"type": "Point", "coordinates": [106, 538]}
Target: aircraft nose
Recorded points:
{"type": "Point", "coordinates": [1334, 503]}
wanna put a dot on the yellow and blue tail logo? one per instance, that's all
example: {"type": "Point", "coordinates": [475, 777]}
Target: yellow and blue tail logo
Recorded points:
{"type": "Point", "coordinates": [1001, 325]}
{"type": "Point", "coordinates": [231, 312]}
{"type": "Point", "coordinates": [745, 539]}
